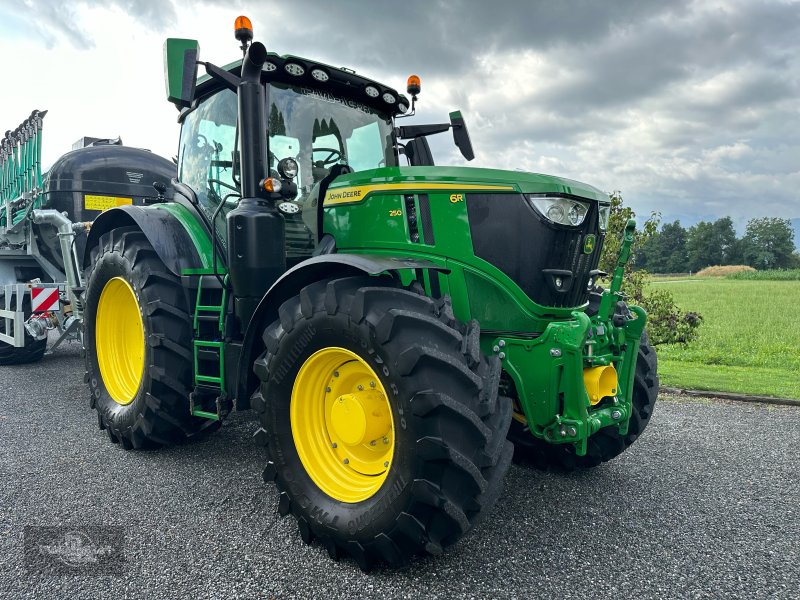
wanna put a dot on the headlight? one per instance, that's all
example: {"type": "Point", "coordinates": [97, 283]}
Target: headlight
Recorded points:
{"type": "Point", "coordinates": [605, 213]}
{"type": "Point", "coordinates": [287, 167]}
{"type": "Point", "coordinates": [563, 211]}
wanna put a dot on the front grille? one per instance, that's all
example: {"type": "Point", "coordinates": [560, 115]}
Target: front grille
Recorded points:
{"type": "Point", "coordinates": [508, 233]}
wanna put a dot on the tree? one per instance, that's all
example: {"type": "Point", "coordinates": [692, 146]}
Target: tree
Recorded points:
{"type": "Point", "coordinates": [710, 243]}
{"type": "Point", "coordinates": [276, 125]}
{"type": "Point", "coordinates": [725, 238]}
{"type": "Point", "coordinates": [700, 248]}
{"type": "Point", "coordinates": [649, 255]}
{"type": "Point", "coordinates": [667, 323]}
{"type": "Point", "coordinates": [666, 250]}
{"type": "Point", "coordinates": [768, 243]}
{"type": "Point", "coordinates": [737, 253]}
{"type": "Point", "coordinates": [616, 225]}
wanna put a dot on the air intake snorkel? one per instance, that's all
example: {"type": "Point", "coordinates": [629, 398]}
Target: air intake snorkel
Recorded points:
{"type": "Point", "coordinates": [256, 233]}
{"type": "Point", "coordinates": [252, 121]}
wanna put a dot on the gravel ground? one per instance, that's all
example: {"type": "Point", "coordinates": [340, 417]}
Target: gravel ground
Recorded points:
{"type": "Point", "coordinates": [705, 505]}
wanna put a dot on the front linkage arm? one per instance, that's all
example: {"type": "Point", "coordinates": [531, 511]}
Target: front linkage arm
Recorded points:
{"type": "Point", "coordinates": [614, 340]}
{"type": "Point", "coordinates": [612, 295]}
{"type": "Point", "coordinates": [553, 371]}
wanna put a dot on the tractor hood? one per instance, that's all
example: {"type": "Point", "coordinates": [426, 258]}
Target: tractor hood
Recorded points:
{"type": "Point", "coordinates": [512, 181]}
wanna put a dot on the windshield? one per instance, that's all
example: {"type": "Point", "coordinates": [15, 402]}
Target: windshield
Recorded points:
{"type": "Point", "coordinates": [320, 130]}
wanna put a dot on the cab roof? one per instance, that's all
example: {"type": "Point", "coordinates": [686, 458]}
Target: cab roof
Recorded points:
{"type": "Point", "coordinates": [339, 81]}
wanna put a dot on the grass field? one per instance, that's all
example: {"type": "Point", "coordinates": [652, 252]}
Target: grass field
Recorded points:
{"type": "Point", "coordinates": [775, 275]}
{"type": "Point", "coordinates": [749, 340]}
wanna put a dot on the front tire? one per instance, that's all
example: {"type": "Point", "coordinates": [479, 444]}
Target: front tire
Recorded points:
{"type": "Point", "coordinates": [138, 338]}
{"type": "Point", "coordinates": [429, 458]}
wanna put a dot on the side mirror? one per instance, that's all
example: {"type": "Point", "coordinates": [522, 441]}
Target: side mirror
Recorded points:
{"type": "Point", "coordinates": [180, 70]}
{"type": "Point", "coordinates": [461, 135]}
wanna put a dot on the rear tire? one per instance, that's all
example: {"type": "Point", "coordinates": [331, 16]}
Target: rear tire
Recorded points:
{"type": "Point", "coordinates": [606, 443]}
{"type": "Point", "coordinates": [449, 426]}
{"type": "Point", "coordinates": [32, 351]}
{"type": "Point", "coordinates": [152, 409]}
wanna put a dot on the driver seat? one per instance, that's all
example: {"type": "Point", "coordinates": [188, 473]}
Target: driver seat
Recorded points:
{"type": "Point", "coordinates": [319, 172]}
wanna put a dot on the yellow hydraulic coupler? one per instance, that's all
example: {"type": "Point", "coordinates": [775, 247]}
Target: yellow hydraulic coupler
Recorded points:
{"type": "Point", "coordinates": [600, 382]}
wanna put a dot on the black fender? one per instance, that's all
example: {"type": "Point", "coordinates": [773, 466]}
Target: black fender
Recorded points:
{"type": "Point", "coordinates": [164, 232]}
{"type": "Point", "coordinates": [325, 266]}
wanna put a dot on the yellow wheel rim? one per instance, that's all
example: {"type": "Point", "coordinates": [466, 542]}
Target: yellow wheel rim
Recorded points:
{"type": "Point", "coordinates": [342, 424]}
{"type": "Point", "coordinates": [119, 340]}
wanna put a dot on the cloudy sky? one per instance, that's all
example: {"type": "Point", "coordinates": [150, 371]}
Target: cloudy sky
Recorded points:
{"type": "Point", "coordinates": [689, 108]}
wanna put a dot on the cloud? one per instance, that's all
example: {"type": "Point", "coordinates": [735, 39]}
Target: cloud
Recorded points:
{"type": "Point", "coordinates": [689, 107]}
{"type": "Point", "coordinates": [54, 19]}
{"type": "Point", "coordinates": [48, 20]}
{"type": "Point", "coordinates": [648, 108]}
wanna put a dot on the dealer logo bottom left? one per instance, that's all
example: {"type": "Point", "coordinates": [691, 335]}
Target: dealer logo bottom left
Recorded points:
{"type": "Point", "coordinates": [88, 550]}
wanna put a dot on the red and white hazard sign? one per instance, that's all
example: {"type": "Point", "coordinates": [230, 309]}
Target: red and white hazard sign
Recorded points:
{"type": "Point", "coordinates": [44, 299]}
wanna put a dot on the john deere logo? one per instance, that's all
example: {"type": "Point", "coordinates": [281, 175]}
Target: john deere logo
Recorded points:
{"type": "Point", "coordinates": [588, 244]}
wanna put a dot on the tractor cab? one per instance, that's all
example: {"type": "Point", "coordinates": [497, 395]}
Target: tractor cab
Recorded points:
{"type": "Point", "coordinates": [313, 136]}
{"type": "Point", "coordinates": [321, 122]}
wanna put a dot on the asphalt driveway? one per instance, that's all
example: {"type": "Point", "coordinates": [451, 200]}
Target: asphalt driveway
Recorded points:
{"type": "Point", "coordinates": [705, 505]}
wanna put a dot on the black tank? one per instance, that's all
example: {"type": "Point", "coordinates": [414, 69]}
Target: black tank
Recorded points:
{"type": "Point", "coordinates": [85, 182]}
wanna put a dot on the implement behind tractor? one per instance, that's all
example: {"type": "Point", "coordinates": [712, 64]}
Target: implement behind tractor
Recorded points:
{"type": "Point", "coordinates": [44, 220]}
{"type": "Point", "coordinates": [395, 326]}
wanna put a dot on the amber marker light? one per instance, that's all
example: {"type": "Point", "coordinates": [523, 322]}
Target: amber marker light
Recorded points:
{"type": "Point", "coordinates": [243, 29]}
{"type": "Point", "coordinates": [413, 86]}
{"type": "Point", "coordinates": [271, 184]}
{"type": "Point", "coordinates": [243, 22]}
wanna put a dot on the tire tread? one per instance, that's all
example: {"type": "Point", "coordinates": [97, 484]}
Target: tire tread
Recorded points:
{"type": "Point", "coordinates": [462, 447]}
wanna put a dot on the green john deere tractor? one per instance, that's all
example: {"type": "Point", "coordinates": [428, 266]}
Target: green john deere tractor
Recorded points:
{"type": "Point", "coordinates": [396, 328]}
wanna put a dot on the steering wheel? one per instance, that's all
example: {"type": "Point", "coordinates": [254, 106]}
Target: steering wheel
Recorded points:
{"type": "Point", "coordinates": [333, 157]}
